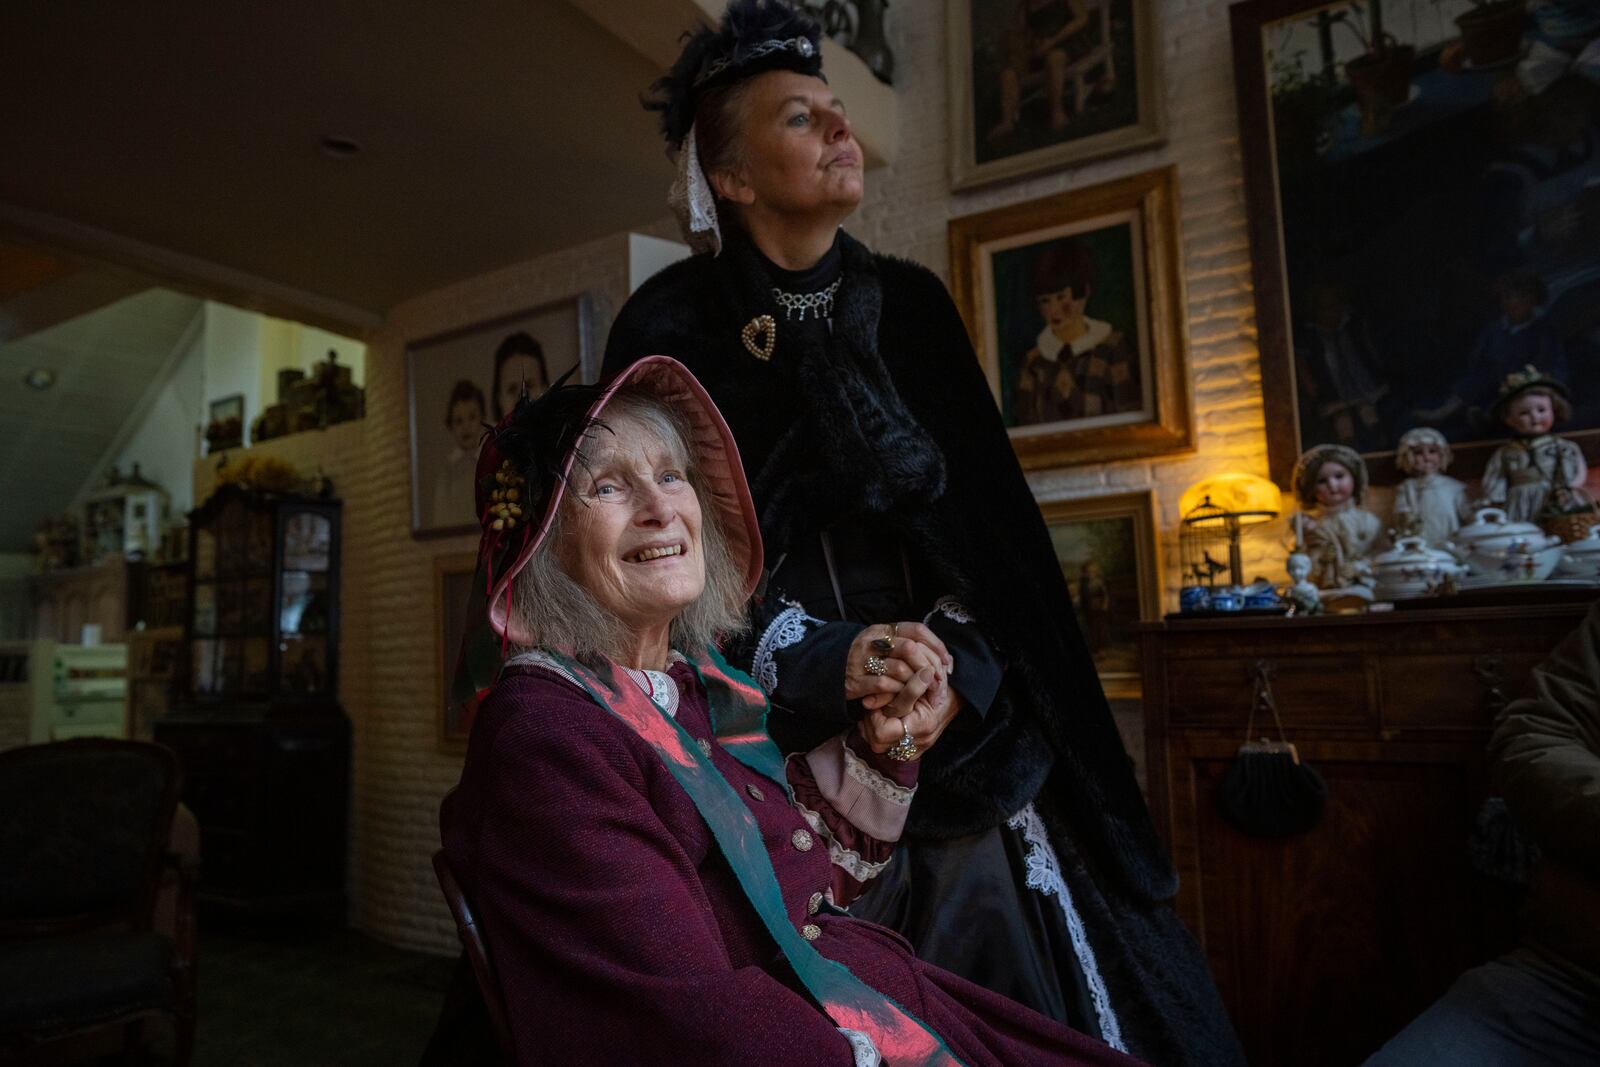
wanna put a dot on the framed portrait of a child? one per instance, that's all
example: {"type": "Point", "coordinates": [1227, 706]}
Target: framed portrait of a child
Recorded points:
{"type": "Point", "coordinates": [1040, 84]}
{"type": "Point", "coordinates": [1075, 306]}
{"type": "Point", "coordinates": [464, 381]}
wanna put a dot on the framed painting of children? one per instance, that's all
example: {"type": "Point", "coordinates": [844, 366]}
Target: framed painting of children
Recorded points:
{"type": "Point", "coordinates": [1420, 224]}
{"type": "Point", "coordinates": [464, 381]}
{"type": "Point", "coordinates": [1040, 84]}
{"type": "Point", "coordinates": [1075, 306]}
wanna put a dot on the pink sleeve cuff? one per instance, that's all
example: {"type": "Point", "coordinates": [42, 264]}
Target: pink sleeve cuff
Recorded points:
{"type": "Point", "coordinates": [853, 784]}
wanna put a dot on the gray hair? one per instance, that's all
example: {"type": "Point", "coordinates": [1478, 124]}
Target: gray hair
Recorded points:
{"type": "Point", "coordinates": [559, 613]}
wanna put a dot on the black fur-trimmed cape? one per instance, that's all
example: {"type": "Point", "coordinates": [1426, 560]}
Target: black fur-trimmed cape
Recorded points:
{"type": "Point", "coordinates": [823, 431]}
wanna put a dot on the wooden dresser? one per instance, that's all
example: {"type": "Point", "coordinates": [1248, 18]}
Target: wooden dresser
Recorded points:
{"type": "Point", "coordinates": [1324, 945]}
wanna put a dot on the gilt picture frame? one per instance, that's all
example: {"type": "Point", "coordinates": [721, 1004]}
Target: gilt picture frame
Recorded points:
{"type": "Point", "coordinates": [1099, 60]}
{"type": "Point", "coordinates": [1076, 308]}
{"type": "Point", "coordinates": [1109, 552]}
{"type": "Point", "coordinates": [1417, 228]}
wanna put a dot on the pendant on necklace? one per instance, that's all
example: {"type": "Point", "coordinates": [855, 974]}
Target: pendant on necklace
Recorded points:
{"type": "Point", "coordinates": [761, 324]}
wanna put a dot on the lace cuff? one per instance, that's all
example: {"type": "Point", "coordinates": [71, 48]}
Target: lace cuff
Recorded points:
{"type": "Point", "coordinates": [865, 1051]}
{"type": "Point", "coordinates": [788, 628]}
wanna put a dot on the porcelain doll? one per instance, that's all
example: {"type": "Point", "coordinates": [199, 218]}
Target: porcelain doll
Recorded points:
{"type": "Point", "coordinates": [1535, 475]}
{"type": "Point", "coordinates": [1301, 593]}
{"type": "Point", "coordinates": [1332, 527]}
{"type": "Point", "coordinates": [1429, 504]}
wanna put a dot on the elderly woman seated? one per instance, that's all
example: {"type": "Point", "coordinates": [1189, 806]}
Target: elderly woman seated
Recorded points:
{"type": "Point", "coordinates": [656, 883]}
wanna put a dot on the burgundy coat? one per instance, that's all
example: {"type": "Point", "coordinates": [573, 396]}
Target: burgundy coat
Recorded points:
{"type": "Point", "coordinates": [618, 932]}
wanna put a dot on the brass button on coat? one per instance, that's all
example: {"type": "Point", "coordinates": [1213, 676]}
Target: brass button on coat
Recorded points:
{"type": "Point", "coordinates": [755, 792]}
{"type": "Point", "coordinates": [801, 839]}
{"type": "Point", "coordinates": [814, 905]}
{"type": "Point", "coordinates": [811, 931]}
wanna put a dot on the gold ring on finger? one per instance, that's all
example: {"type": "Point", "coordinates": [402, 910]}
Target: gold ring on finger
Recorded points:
{"type": "Point", "coordinates": [877, 667]}
{"type": "Point", "coordinates": [905, 750]}
{"type": "Point", "coordinates": [884, 645]}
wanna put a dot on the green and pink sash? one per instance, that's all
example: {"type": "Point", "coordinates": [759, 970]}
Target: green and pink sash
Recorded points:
{"type": "Point", "coordinates": [739, 720]}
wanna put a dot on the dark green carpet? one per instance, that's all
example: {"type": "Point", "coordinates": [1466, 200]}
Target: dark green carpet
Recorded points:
{"type": "Point", "coordinates": [272, 997]}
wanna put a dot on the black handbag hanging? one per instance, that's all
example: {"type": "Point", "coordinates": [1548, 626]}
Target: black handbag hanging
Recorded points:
{"type": "Point", "coordinates": [1268, 792]}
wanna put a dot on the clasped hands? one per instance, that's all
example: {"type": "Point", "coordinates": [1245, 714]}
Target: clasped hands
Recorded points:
{"type": "Point", "coordinates": [901, 675]}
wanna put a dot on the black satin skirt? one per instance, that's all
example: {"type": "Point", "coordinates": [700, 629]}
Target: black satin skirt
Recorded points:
{"type": "Point", "coordinates": [964, 905]}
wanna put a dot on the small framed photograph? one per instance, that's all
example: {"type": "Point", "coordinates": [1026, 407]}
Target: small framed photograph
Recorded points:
{"type": "Point", "coordinates": [225, 427]}
{"type": "Point", "coordinates": [1075, 305]}
{"type": "Point", "coordinates": [452, 587]}
{"type": "Point", "coordinates": [461, 383]}
{"type": "Point", "coordinates": [1036, 85]}
{"type": "Point", "coordinates": [1109, 555]}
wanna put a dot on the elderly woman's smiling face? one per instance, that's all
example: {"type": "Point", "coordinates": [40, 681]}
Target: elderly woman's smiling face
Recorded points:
{"type": "Point", "coordinates": [632, 534]}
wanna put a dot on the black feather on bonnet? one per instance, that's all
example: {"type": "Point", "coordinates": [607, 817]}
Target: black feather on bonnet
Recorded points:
{"type": "Point", "coordinates": [755, 36]}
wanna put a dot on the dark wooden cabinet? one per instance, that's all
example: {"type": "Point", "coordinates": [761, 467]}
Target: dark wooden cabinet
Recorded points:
{"type": "Point", "coordinates": [271, 795]}
{"type": "Point", "coordinates": [1324, 945]}
{"type": "Point", "coordinates": [264, 743]}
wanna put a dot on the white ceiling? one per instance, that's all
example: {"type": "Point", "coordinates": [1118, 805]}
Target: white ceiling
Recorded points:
{"type": "Point", "coordinates": [492, 131]}
{"type": "Point", "coordinates": [50, 439]}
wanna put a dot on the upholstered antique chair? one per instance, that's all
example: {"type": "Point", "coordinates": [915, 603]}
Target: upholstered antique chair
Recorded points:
{"type": "Point", "coordinates": [85, 827]}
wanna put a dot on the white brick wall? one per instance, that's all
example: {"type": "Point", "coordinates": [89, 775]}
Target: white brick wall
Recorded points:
{"type": "Point", "coordinates": [389, 681]}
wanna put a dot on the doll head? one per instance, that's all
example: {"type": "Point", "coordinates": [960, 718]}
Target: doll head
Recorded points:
{"type": "Point", "coordinates": [1299, 567]}
{"type": "Point", "coordinates": [1423, 451]}
{"type": "Point", "coordinates": [1329, 476]}
{"type": "Point", "coordinates": [1531, 403]}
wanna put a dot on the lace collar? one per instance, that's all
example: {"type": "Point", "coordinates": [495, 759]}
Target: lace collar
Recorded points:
{"type": "Point", "coordinates": [657, 685]}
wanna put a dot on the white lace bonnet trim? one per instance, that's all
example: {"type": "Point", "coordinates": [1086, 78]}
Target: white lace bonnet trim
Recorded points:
{"type": "Point", "coordinates": [692, 201]}
{"type": "Point", "coordinates": [1044, 875]}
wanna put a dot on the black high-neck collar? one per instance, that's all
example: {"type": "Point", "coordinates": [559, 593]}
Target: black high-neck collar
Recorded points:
{"type": "Point", "coordinates": [819, 275]}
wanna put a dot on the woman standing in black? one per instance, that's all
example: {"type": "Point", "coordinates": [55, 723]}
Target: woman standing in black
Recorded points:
{"type": "Point", "coordinates": [899, 527]}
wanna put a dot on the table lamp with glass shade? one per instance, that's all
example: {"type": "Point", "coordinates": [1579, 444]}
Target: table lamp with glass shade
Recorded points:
{"type": "Point", "coordinates": [1214, 512]}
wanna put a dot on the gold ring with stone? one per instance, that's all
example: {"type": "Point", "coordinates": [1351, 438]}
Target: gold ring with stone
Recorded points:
{"type": "Point", "coordinates": [877, 667]}
{"type": "Point", "coordinates": [905, 750]}
{"type": "Point", "coordinates": [884, 646]}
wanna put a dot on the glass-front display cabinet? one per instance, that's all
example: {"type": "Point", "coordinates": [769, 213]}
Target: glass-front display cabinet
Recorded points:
{"type": "Point", "coordinates": [264, 622]}
{"type": "Point", "coordinates": [264, 744]}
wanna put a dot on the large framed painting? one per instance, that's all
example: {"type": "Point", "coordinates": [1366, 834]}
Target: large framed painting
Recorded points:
{"type": "Point", "coordinates": [452, 587]}
{"type": "Point", "coordinates": [1424, 217]}
{"type": "Point", "coordinates": [1107, 549]}
{"type": "Point", "coordinates": [1041, 84]}
{"type": "Point", "coordinates": [1075, 305]}
{"type": "Point", "coordinates": [463, 381]}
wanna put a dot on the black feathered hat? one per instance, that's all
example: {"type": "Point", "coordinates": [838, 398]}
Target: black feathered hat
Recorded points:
{"type": "Point", "coordinates": [754, 36]}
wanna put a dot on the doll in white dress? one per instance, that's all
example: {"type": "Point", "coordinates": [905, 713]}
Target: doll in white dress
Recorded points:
{"type": "Point", "coordinates": [1332, 527]}
{"type": "Point", "coordinates": [1536, 475]}
{"type": "Point", "coordinates": [1429, 504]}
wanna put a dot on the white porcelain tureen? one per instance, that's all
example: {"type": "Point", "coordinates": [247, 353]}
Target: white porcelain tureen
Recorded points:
{"type": "Point", "coordinates": [1412, 569]}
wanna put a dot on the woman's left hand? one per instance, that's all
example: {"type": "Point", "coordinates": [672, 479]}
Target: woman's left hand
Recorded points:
{"type": "Point", "coordinates": [923, 708]}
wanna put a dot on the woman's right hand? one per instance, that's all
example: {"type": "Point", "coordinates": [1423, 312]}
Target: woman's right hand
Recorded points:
{"type": "Point", "coordinates": [914, 647]}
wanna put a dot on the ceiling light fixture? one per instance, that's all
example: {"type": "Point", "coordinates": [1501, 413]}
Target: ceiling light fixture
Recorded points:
{"type": "Point", "coordinates": [338, 146]}
{"type": "Point", "coordinates": [40, 378]}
